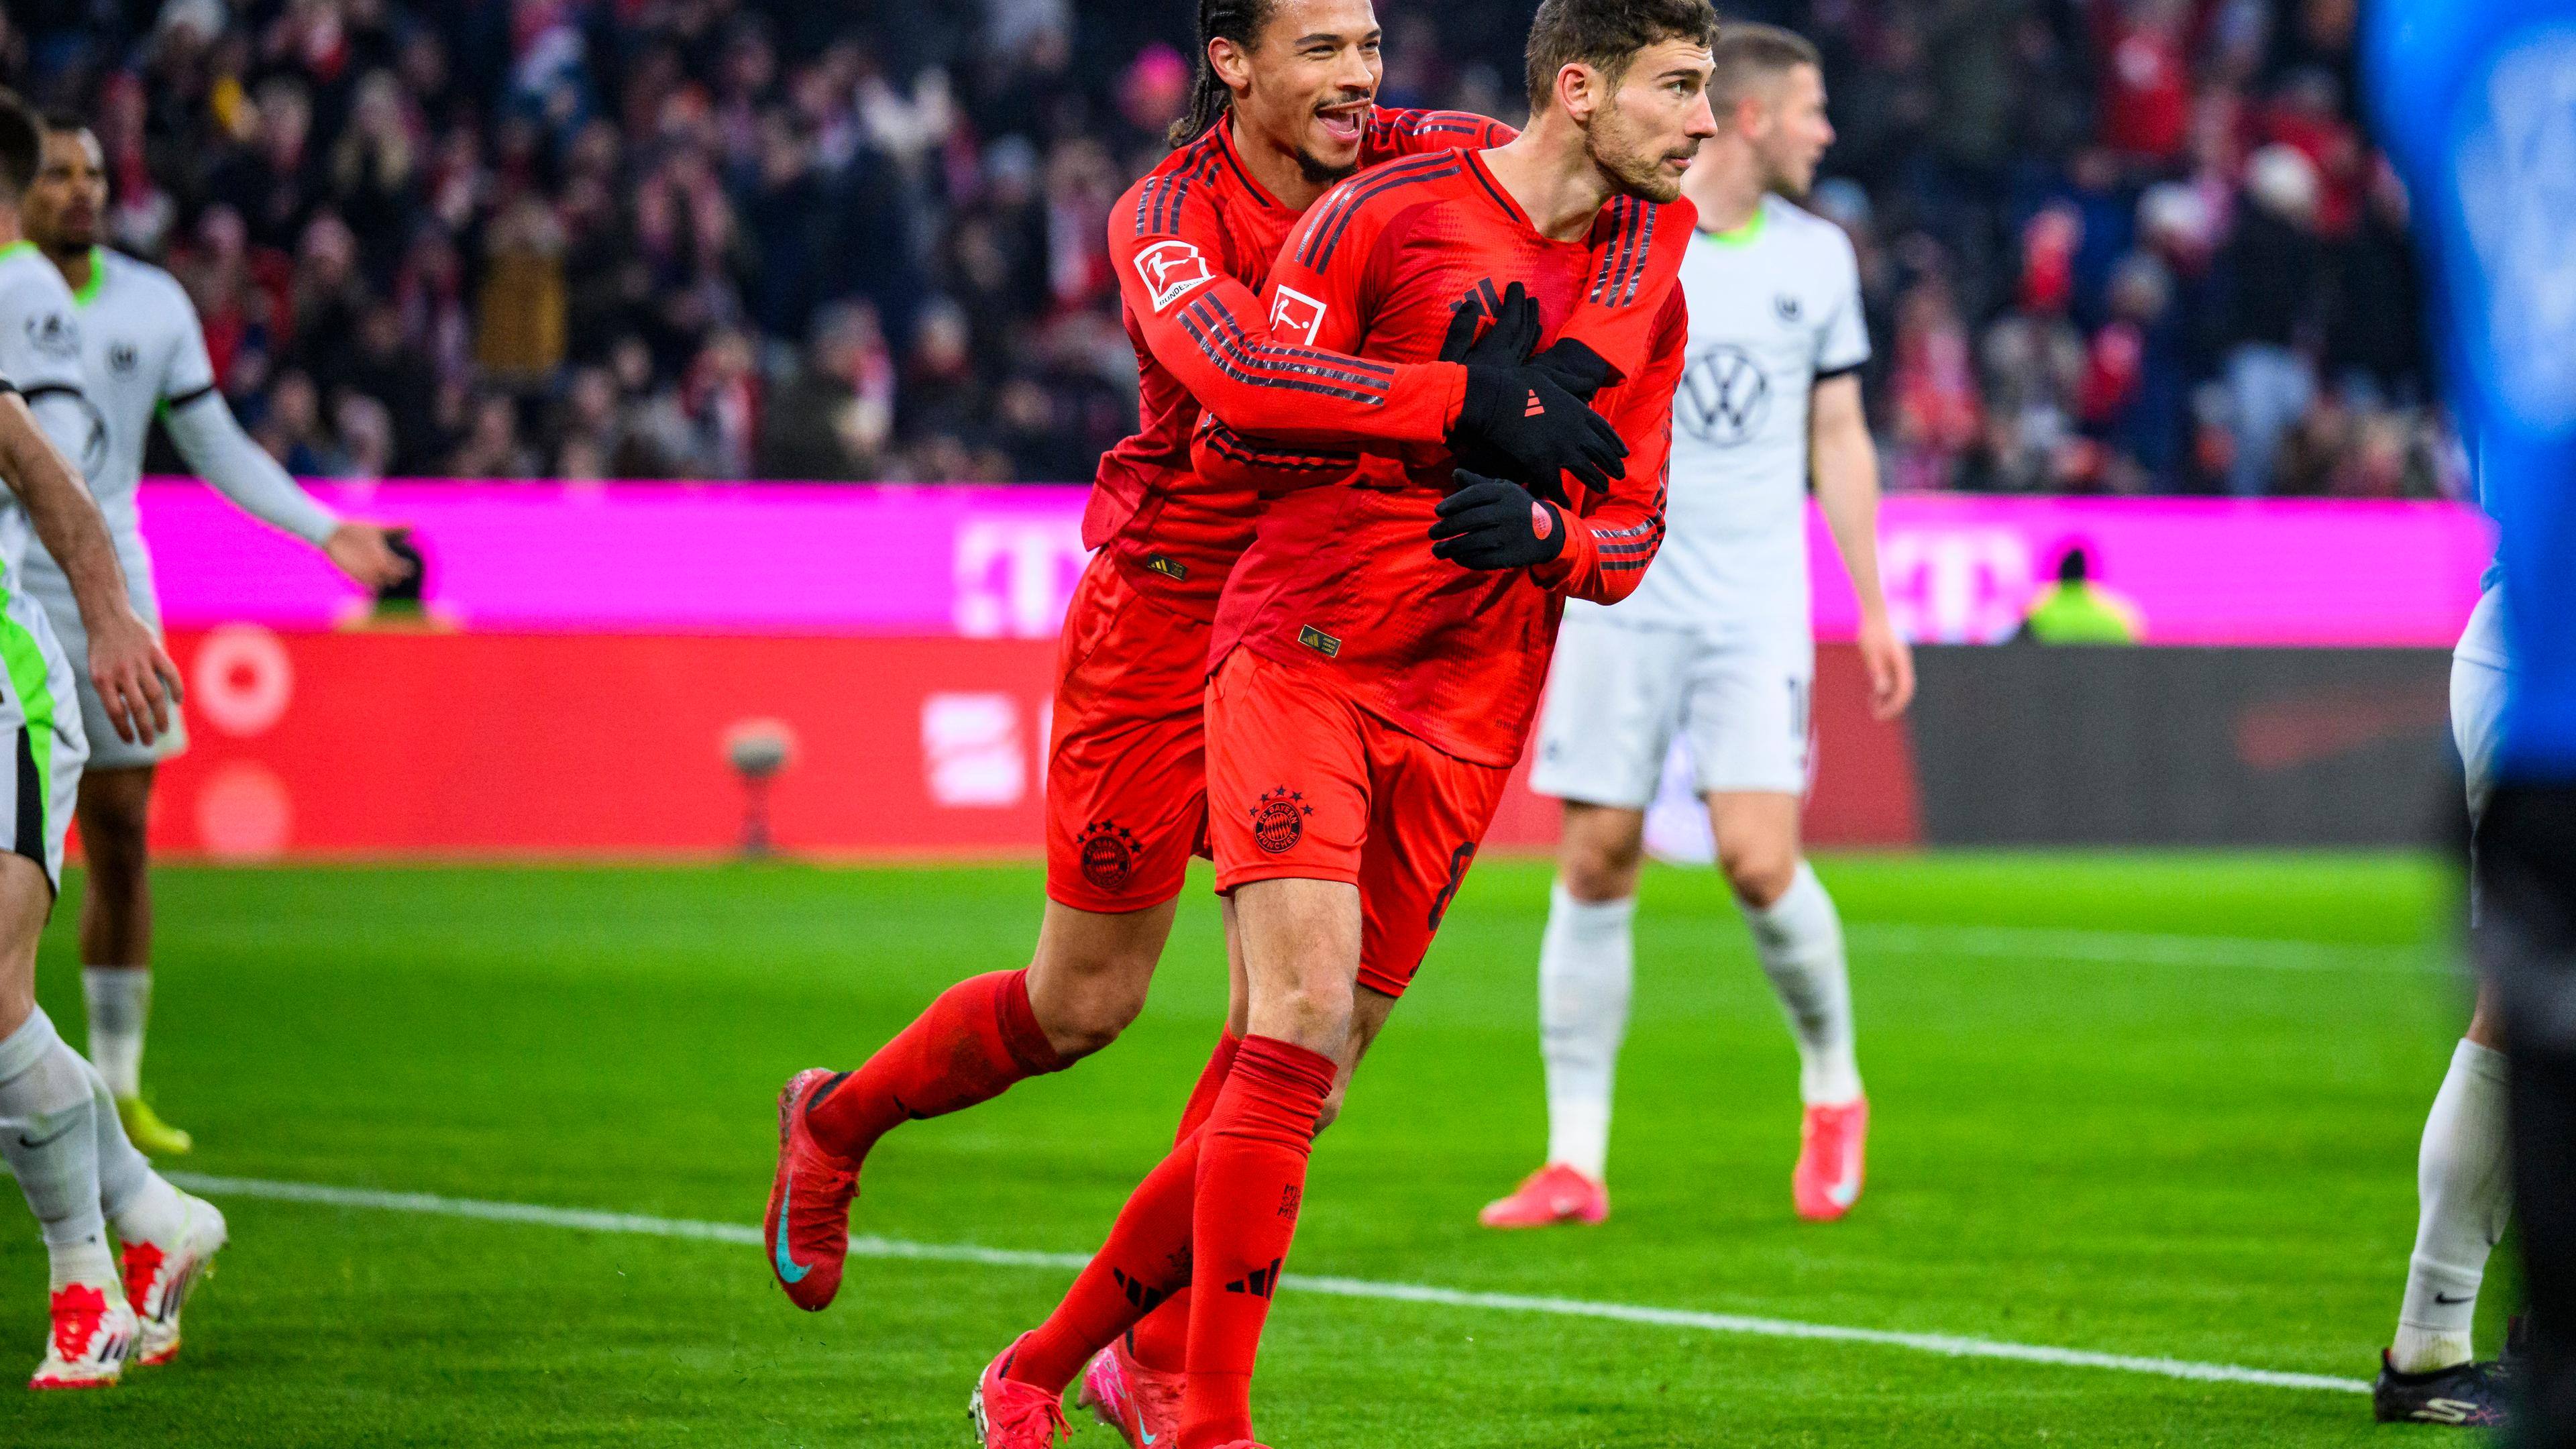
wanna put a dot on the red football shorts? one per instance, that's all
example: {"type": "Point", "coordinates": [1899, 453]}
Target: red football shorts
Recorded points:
{"type": "Point", "coordinates": [1126, 787]}
{"type": "Point", "coordinates": [1304, 784]}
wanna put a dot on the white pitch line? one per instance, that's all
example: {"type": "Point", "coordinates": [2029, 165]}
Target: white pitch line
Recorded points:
{"type": "Point", "coordinates": [2141, 948]}
{"type": "Point", "coordinates": [741, 1234]}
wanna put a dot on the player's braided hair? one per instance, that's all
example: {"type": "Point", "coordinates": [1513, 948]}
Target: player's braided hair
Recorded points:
{"type": "Point", "coordinates": [1237, 20]}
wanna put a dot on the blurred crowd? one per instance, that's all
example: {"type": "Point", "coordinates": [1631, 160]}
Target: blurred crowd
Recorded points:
{"type": "Point", "coordinates": [2108, 245]}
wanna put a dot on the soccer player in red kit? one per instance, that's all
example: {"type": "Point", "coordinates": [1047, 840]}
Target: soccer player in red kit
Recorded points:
{"type": "Point", "coordinates": [1284, 108]}
{"type": "Point", "coordinates": [1373, 686]}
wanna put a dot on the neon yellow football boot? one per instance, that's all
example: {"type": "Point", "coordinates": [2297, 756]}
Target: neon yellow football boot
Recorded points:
{"type": "Point", "coordinates": [145, 1129]}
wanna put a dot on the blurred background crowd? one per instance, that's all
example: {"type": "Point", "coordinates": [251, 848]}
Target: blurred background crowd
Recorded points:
{"type": "Point", "coordinates": [2108, 245]}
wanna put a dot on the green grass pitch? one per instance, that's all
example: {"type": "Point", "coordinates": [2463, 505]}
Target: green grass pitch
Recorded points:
{"type": "Point", "coordinates": [2081, 1140]}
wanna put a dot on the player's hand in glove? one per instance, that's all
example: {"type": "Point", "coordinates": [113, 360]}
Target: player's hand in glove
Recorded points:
{"type": "Point", "coordinates": [1516, 416]}
{"type": "Point", "coordinates": [1495, 523]}
{"type": "Point", "coordinates": [1577, 368]}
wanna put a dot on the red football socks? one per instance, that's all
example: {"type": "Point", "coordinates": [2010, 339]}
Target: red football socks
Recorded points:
{"type": "Point", "coordinates": [1146, 1259]}
{"type": "Point", "coordinates": [1252, 1179]}
{"type": "Point", "coordinates": [977, 1039]}
{"type": "Point", "coordinates": [1162, 1338]}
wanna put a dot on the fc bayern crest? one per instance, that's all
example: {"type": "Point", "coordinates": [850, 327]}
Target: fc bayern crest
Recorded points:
{"type": "Point", "coordinates": [1108, 854]}
{"type": "Point", "coordinates": [1279, 821]}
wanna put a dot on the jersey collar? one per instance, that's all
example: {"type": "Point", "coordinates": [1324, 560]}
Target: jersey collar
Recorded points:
{"type": "Point", "coordinates": [1494, 190]}
{"type": "Point", "coordinates": [88, 292]}
{"type": "Point", "coordinates": [1234, 162]}
{"type": "Point", "coordinates": [1747, 234]}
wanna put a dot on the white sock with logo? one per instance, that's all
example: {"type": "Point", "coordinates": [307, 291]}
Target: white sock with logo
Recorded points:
{"type": "Point", "coordinates": [1586, 972]}
{"type": "Point", "coordinates": [1799, 939]}
{"type": "Point", "coordinates": [48, 1139]}
{"type": "Point", "coordinates": [2466, 1195]}
{"type": "Point", "coordinates": [120, 1002]}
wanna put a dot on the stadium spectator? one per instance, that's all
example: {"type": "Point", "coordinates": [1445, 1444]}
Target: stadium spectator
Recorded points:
{"type": "Point", "coordinates": [526, 192]}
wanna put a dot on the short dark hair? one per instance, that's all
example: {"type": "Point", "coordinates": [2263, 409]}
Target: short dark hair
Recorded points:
{"type": "Point", "coordinates": [22, 143]}
{"type": "Point", "coordinates": [1606, 35]}
{"type": "Point", "coordinates": [1749, 54]}
{"type": "Point", "coordinates": [65, 123]}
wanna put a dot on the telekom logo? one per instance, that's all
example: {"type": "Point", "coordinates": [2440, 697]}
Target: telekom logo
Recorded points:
{"type": "Point", "coordinates": [1957, 585]}
{"type": "Point", "coordinates": [1015, 573]}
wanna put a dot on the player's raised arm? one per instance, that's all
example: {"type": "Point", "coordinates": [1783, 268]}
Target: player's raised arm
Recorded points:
{"type": "Point", "coordinates": [135, 678]}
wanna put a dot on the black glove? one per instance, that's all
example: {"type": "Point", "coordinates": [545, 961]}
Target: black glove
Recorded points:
{"type": "Point", "coordinates": [1495, 523]}
{"type": "Point", "coordinates": [1517, 417]}
{"type": "Point", "coordinates": [1577, 368]}
{"type": "Point", "coordinates": [1505, 344]}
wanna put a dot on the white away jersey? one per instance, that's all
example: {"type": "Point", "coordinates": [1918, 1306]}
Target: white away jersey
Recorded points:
{"type": "Point", "coordinates": [40, 355]}
{"type": "Point", "coordinates": [140, 345]}
{"type": "Point", "coordinates": [1773, 308]}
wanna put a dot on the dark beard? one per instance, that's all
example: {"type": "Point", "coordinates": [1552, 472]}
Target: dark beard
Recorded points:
{"type": "Point", "coordinates": [1641, 176]}
{"type": "Point", "coordinates": [1319, 174]}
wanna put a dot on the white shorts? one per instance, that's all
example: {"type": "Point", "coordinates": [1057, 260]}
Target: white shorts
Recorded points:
{"type": "Point", "coordinates": [51, 587]}
{"type": "Point", "coordinates": [42, 732]}
{"type": "Point", "coordinates": [2477, 697]}
{"type": "Point", "coordinates": [1618, 697]}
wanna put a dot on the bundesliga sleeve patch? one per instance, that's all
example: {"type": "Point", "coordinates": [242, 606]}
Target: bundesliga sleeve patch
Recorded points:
{"type": "Point", "coordinates": [1293, 311]}
{"type": "Point", "coordinates": [1172, 270]}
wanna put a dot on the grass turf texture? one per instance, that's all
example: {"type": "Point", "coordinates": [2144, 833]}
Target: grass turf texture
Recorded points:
{"type": "Point", "coordinates": [2196, 1161]}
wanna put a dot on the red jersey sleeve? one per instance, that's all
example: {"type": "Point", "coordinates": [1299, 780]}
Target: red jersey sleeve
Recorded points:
{"type": "Point", "coordinates": [1613, 535]}
{"type": "Point", "coordinates": [1208, 329]}
{"type": "Point", "coordinates": [1404, 133]}
{"type": "Point", "coordinates": [1637, 249]}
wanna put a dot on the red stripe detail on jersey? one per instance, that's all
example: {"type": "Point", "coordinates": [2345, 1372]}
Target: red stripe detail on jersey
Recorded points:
{"type": "Point", "coordinates": [1358, 371]}
{"type": "Point", "coordinates": [1226, 349]}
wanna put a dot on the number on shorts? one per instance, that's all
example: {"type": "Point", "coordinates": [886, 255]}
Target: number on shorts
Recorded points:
{"type": "Point", "coordinates": [1457, 872]}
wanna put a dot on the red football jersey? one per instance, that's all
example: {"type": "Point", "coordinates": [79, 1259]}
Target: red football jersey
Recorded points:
{"type": "Point", "coordinates": [1191, 243]}
{"type": "Point", "coordinates": [1340, 576]}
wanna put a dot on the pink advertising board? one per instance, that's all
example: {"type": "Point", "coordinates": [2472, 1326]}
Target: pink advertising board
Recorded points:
{"type": "Point", "coordinates": [984, 562]}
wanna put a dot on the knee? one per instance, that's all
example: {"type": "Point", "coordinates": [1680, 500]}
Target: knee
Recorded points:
{"type": "Point", "coordinates": [1084, 1006]}
{"type": "Point", "coordinates": [1601, 870]}
{"type": "Point", "coordinates": [1759, 871]}
{"type": "Point", "coordinates": [1332, 1106]}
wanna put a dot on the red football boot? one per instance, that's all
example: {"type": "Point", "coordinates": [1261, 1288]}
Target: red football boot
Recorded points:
{"type": "Point", "coordinates": [1827, 1181]}
{"type": "Point", "coordinates": [808, 1225]}
{"type": "Point", "coordinates": [1142, 1404]}
{"type": "Point", "coordinates": [1011, 1415]}
{"type": "Point", "coordinates": [1556, 1193]}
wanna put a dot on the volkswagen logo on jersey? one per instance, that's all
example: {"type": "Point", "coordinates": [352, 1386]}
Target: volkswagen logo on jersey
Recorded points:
{"type": "Point", "coordinates": [121, 358]}
{"type": "Point", "coordinates": [1723, 397]}
{"type": "Point", "coordinates": [1787, 306]}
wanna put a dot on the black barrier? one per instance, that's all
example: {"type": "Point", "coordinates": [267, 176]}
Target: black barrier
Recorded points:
{"type": "Point", "coordinates": [2028, 744]}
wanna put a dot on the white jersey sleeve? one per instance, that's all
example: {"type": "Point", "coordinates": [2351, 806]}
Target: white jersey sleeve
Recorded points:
{"type": "Point", "coordinates": [202, 427]}
{"type": "Point", "coordinates": [1842, 342]}
{"type": "Point", "coordinates": [188, 373]}
{"type": "Point", "coordinates": [40, 352]}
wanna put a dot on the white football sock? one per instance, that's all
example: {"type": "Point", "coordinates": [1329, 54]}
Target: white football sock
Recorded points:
{"type": "Point", "coordinates": [2466, 1192]}
{"type": "Point", "coordinates": [47, 1135]}
{"type": "Point", "coordinates": [142, 1207]}
{"type": "Point", "coordinates": [1586, 970]}
{"type": "Point", "coordinates": [120, 1001]}
{"type": "Point", "coordinates": [1799, 938]}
